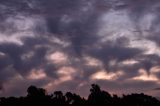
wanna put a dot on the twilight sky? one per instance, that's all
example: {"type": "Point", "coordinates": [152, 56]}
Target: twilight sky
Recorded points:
{"type": "Point", "coordinates": [69, 44]}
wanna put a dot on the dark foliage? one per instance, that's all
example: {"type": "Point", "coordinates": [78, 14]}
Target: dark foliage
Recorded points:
{"type": "Point", "coordinates": [37, 96]}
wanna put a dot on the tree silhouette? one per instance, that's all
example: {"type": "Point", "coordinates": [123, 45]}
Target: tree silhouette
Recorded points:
{"type": "Point", "coordinates": [69, 97]}
{"type": "Point", "coordinates": [97, 97]}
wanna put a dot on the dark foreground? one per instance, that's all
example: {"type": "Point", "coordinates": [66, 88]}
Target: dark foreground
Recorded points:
{"type": "Point", "coordinates": [37, 96]}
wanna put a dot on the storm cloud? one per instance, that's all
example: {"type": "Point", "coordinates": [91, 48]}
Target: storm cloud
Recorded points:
{"type": "Point", "coordinates": [69, 44]}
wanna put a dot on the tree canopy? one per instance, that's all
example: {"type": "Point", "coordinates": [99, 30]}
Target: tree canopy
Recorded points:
{"type": "Point", "coordinates": [97, 97]}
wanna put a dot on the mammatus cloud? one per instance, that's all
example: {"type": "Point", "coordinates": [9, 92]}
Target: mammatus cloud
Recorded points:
{"type": "Point", "coordinates": [151, 76]}
{"type": "Point", "coordinates": [67, 45]}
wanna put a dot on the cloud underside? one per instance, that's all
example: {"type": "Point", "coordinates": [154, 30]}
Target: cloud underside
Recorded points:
{"type": "Point", "coordinates": [67, 45]}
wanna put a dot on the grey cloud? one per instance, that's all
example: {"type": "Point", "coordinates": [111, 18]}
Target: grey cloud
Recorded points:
{"type": "Point", "coordinates": [14, 63]}
{"type": "Point", "coordinates": [110, 52]}
{"type": "Point", "coordinates": [50, 69]}
{"type": "Point", "coordinates": [155, 38]}
{"type": "Point", "coordinates": [76, 22]}
{"type": "Point", "coordinates": [149, 61]}
{"type": "Point", "coordinates": [1, 88]}
{"type": "Point", "coordinates": [156, 89]}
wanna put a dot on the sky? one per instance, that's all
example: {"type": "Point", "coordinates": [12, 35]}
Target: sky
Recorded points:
{"type": "Point", "coordinates": [69, 44]}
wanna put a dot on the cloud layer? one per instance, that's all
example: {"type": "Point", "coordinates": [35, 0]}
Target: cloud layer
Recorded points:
{"type": "Point", "coordinates": [69, 44]}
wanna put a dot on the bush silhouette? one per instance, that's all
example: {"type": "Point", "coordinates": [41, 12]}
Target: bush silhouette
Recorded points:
{"type": "Point", "coordinates": [97, 97]}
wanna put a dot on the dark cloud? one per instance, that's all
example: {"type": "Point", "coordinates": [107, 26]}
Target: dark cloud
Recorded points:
{"type": "Point", "coordinates": [1, 87]}
{"type": "Point", "coordinates": [156, 89]}
{"type": "Point", "coordinates": [110, 51]}
{"type": "Point", "coordinates": [36, 29]}
{"type": "Point", "coordinates": [14, 53]}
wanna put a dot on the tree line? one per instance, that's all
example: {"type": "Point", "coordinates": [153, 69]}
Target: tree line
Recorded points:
{"type": "Point", "coordinates": [97, 97]}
